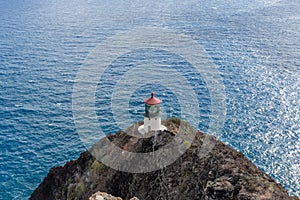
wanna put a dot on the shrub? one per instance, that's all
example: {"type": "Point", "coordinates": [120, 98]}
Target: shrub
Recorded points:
{"type": "Point", "coordinates": [175, 120]}
{"type": "Point", "coordinates": [98, 168]}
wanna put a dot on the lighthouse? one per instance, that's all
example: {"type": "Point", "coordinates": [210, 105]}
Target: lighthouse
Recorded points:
{"type": "Point", "coordinates": [152, 116]}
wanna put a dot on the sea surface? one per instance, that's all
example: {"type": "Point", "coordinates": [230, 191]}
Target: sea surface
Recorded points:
{"type": "Point", "coordinates": [255, 47]}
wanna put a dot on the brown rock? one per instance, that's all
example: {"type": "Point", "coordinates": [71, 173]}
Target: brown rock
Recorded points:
{"type": "Point", "coordinates": [223, 173]}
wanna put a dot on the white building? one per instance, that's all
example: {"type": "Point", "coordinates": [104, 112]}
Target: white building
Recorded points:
{"type": "Point", "coordinates": [152, 115]}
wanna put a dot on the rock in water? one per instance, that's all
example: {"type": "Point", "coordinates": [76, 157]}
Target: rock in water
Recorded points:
{"type": "Point", "coordinates": [223, 173]}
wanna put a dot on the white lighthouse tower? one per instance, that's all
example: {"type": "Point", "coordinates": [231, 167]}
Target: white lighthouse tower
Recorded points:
{"type": "Point", "coordinates": [152, 116]}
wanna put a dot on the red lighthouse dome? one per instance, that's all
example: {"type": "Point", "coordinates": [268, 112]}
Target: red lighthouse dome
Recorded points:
{"type": "Point", "coordinates": [152, 100]}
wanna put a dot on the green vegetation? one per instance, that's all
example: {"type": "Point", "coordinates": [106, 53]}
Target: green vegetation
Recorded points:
{"type": "Point", "coordinates": [98, 168]}
{"type": "Point", "coordinates": [71, 189]}
{"type": "Point", "coordinates": [80, 190]}
{"type": "Point", "coordinates": [175, 120]}
{"type": "Point", "coordinates": [76, 190]}
{"type": "Point", "coordinates": [186, 144]}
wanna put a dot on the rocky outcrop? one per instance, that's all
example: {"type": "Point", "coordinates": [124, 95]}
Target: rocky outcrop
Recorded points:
{"type": "Point", "coordinates": [223, 173]}
{"type": "Point", "coordinates": [105, 196]}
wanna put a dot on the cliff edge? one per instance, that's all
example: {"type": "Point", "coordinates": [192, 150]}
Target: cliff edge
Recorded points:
{"type": "Point", "coordinates": [223, 173]}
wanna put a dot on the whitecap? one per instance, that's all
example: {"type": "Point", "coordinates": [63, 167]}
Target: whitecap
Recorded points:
{"type": "Point", "coordinates": [71, 81]}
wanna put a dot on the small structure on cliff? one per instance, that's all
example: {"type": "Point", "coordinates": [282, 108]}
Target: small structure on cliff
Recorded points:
{"type": "Point", "coordinates": [152, 116]}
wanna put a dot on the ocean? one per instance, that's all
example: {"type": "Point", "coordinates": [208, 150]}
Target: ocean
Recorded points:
{"type": "Point", "coordinates": [254, 46]}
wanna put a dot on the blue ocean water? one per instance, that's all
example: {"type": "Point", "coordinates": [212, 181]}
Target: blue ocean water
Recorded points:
{"type": "Point", "coordinates": [43, 44]}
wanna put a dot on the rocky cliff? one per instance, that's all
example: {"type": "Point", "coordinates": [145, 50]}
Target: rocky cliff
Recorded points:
{"type": "Point", "coordinates": [223, 173]}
